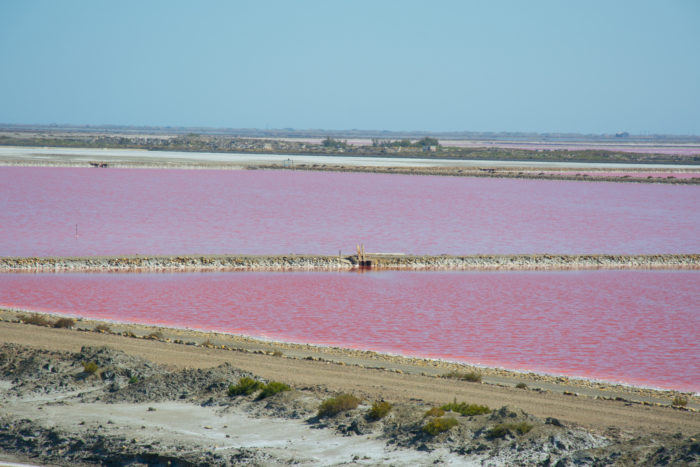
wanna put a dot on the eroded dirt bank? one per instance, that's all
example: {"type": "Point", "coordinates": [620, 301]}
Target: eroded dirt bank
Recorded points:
{"type": "Point", "coordinates": [107, 404]}
{"type": "Point", "coordinates": [320, 262]}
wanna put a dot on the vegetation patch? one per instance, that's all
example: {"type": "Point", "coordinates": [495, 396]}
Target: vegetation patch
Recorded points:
{"type": "Point", "coordinates": [64, 323]}
{"type": "Point", "coordinates": [379, 410]}
{"type": "Point", "coordinates": [37, 320]}
{"type": "Point", "coordinates": [503, 429]}
{"type": "Point", "coordinates": [103, 328]}
{"type": "Point", "coordinates": [335, 405]}
{"type": "Point", "coordinates": [245, 387]}
{"type": "Point", "coordinates": [439, 425]}
{"type": "Point", "coordinates": [679, 401]}
{"type": "Point", "coordinates": [435, 412]}
{"type": "Point", "coordinates": [90, 367]}
{"type": "Point", "coordinates": [466, 409]}
{"type": "Point", "coordinates": [272, 388]}
{"type": "Point", "coordinates": [521, 386]}
{"type": "Point", "coordinates": [471, 376]}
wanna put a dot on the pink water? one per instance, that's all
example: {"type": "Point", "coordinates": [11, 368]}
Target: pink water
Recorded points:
{"type": "Point", "coordinates": [129, 211]}
{"type": "Point", "coordinates": [638, 327]}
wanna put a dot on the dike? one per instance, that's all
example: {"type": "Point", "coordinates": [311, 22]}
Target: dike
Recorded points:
{"type": "Point", "coordinates": [334, 263]}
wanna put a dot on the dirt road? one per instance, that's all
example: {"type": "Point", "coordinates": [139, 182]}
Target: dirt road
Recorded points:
{"type": "Point", "coordinates": [374, 376]}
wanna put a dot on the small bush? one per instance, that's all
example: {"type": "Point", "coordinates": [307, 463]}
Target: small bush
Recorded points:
{"type": "Point", "coordinates": [245, 387]}
{"type": "Point", "coordinates": [502, 429]}
{"type": "Point", "coordinates": [379, 410]}
{"type": "Point", "coordinates": [466, 409]}
{"type": "Point", "coordinates": [272, 388]}
{"type": "Point", "coordinates": [156, 335]}
{"type": "Point", "coordinates": [435, 412]}
{"type": "Point", "coordinates": [64, 323]}
{"type": "Point", "coordinates": [103, 328]}
{"type": "Point", "coordinates": [521, 386]}
{"type": "Point", "coordinates": [499, 431]}
{"type": "Point", "coordinates": [90, 367]}
{"type": "Point", "coordinates": [37, 320]}
{"type": "Point", "coordinates": [133, 380]}
{"type": "Point", "coordinates": [472, 376]}
{"type": "Point", "coordinates": [679, 401]}
{"type": "Point", "coordinates": [277, 353]}
{"type": "Point", "coordinates": [335, 405]}
{"type": "Point", "coordinates": [439, 425]}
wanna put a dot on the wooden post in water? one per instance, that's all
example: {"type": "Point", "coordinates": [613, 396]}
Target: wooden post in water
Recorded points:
{"type": "Point", "coordinates": [362, 258]}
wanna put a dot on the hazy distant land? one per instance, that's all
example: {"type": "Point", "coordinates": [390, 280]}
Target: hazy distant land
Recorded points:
{"type": "Point", "coordinates": [615, 148]}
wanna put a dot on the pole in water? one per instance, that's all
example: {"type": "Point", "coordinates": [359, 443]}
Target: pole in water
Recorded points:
{"type": "Point", "coordinates": [76, 230]}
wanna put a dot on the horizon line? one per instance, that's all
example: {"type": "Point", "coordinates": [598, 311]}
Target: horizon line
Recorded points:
{"type": "Point", "coordinates": [619, 135]}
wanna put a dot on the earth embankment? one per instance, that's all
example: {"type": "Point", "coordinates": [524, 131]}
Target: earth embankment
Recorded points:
{"type": "Point", "coordinates": [323, 262]}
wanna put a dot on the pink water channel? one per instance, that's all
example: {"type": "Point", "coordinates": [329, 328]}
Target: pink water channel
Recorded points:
{"type": "Point", "coordinates": [636, 327]}
{"type": "Point", "coordinates": [154, 211]}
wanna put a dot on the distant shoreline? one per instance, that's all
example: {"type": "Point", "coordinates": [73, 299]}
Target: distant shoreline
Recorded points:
{"type": "Point", "coordinates": [561, 171]}
{"type": "Point", "coordinates": [154, 263]}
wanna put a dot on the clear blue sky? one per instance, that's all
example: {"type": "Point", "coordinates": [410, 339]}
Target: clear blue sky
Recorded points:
{"type": "Point", "coordinates": [561, 66]}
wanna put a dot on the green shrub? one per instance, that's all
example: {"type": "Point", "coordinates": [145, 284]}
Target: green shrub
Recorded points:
{"type": "Point", "coordinates": [466, 409]}
{"type": "Point", "coordinates": [245, 387]}
{"type": "Point", "coordinates": [103, 328]}
{"type": "Point", "coordinates": [335, 405]}
{"type": "Point", "coordinates": [434, 412]}
{"type": "Point", "coordinates": [379, 410]}
{"type": "Point", "coordinates": [64, 323]}
{"type": "Point", "coordinates": [499, 431]}
{"type": "Point", "coordinates": [133, 380]}
{"type": "Point", "coordinates": [679, 401]}
{"type": "Point", "coordinates": [272, 388]}
{"type": "Point", "coordinates": [38, 320]}
{"type": "Point", "coordinates": [502, 429]}
{"type": "Point", "coordinates": [439, 425]}
{"type": "Point", "coordinates": [90, 367]}
{"type": "Point", "coordinates": [521, 386]}
{"type": "Point", "coordinates": [472, 376]}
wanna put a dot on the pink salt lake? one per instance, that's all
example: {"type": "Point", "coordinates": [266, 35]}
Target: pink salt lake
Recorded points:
{"type": "Point", "coordinates": [130, 211]}
{"type": "Point", "coordinates": [636, 327]}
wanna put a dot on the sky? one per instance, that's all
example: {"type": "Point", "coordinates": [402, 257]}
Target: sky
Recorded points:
{"type": "Point", "coordinates": [494, 65]}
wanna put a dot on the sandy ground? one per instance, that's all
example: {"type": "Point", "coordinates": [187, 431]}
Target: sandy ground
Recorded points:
{"type": "Point", "coordinates": [221, 431]}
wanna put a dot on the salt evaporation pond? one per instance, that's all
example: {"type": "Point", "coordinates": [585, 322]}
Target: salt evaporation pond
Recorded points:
{"type": "Point", "coordinates": [152, 211]}
{"type": "Point", "coordinates": [637, 327]}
